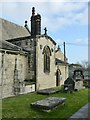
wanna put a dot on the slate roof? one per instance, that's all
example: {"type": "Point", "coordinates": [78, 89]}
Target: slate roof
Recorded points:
{"type": "Point", "coordinates": [58, 61]}
{"type": "Point", "coordinates": [9, 30]}
{"type": "Point", "coordinates": [8, 46]}
{"type": "Point", "coordinates": [78, 65]}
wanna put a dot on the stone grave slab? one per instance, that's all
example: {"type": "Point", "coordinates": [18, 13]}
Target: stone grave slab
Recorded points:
{"type": "Point", "coordinates": [48, 104]}
{"type": "Point", "coordinates": [48, 91]}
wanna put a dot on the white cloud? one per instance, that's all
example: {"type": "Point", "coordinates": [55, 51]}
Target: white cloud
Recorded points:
{"type": "Point", "coordinates": [55, 15]}
{"type": "Point", "coordinates": [76, 42]}
{"type": "Point", "coordinates": [66, 6]}
{"type": "Point", "coordinates": [81, 41]}
{"type": "Point", "coordinates": [81, 18]}
{"type": "Point", "coordinates": [1, 9]}
{"type": "Point", "coordinates": [63, 14]}
{"type": "Point", "coordinates": [44, 1]}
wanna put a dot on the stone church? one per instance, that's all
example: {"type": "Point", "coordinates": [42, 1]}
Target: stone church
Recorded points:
{"type": "Point", "coordinates": [29, 60]}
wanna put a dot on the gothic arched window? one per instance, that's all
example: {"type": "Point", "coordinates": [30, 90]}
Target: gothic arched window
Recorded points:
{"type": "Point", "coordinates": [47, 54]}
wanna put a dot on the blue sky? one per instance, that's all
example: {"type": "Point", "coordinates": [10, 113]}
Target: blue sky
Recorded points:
{"type": "Point", "coordinates": [65, 21]}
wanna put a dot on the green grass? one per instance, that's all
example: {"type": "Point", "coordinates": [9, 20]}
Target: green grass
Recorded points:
{"type": "Point", "coordinates": [19, 106]}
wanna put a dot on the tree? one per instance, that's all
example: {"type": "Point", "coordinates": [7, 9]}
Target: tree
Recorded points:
{"type": "Point", "coordinates": [84, 64]}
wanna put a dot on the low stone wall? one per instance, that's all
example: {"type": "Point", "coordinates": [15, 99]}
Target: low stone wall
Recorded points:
{"type": "Point", "coordinates": [29, 88]}
{"type": "Point", "coordinates": [13, 72]}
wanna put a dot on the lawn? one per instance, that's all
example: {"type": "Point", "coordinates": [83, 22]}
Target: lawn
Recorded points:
{"type": "Point", "coordinates": [19, 106]}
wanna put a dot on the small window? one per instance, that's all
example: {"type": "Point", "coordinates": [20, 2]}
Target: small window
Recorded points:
{"type": "Point", "coordinates": [40, 46]}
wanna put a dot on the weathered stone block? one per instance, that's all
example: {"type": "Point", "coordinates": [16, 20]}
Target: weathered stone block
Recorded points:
{"type": "Point", "coordinates": [49, 103]}
{"type": "Point", "coordinates": [47, 91]}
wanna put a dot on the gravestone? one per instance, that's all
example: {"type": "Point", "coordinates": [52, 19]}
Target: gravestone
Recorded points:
{"type": "Point", "coordinates": [48, 91]}
{"type": "Point", "coordinates": [48, 104]}
{"type": "Point", "coordinates": [79, 77]}
{"type": "Point", "coordinates": [79, 85]}
{"type": "Point", "coordinates": [69, 85]}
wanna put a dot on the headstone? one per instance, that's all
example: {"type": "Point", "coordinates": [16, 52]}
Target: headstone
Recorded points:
{"type": "Point", "coordinates": [79, 77]}
{"type": "Point", "coordinates": [79, 85]}
{"type": "Point", "coordinates": [69, 85]}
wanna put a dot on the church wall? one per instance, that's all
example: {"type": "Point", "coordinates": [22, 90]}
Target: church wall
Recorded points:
{"type": "Point", "coordinates": [59, 55]}
{"type": "Point", "coordinates": [28, 45]}
{"type": "Point", "coordinates": [0, 75]}
{"type": "Point", "coordinates": [7, 72]}
{"type": "Point", "coordinates": [45, 80]}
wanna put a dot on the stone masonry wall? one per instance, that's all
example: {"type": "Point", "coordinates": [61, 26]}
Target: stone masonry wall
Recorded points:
{"type": "Point", "coordinates": [28, 45]}
{"type": "Point", "coordinates": [59, 55]}
{"type": "Point", "coordinates": [0, 75]}
{"type": "Point", "coordinates": [7, 72]}
{"type": "Point", "coordinates": [45, 80]}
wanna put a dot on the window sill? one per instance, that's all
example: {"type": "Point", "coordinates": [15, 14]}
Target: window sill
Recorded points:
{"type": "Point", "coordinates": [47, 72]}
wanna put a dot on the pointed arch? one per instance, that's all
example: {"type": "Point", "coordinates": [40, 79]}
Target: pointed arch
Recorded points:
{"type": "Point", "coordinates": [58, 77]}
{"type": "Point", "coordinates": [47, 50]}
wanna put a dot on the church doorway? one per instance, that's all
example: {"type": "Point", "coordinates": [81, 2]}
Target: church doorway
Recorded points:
{"type": "Point", "coordinates": [58, 77]}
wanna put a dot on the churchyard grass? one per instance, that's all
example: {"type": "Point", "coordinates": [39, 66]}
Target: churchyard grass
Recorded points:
{"type": "Point", "coordinates": [19, 106]}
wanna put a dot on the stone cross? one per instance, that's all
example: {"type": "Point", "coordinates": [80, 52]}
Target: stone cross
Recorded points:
{"type": "Point", "coordinates": [45, 31]}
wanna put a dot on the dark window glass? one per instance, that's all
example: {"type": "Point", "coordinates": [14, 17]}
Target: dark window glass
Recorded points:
{"type": "Point", "coordinates": [26, 42]}
{"type": "Point", "coordinates": [47, 54]}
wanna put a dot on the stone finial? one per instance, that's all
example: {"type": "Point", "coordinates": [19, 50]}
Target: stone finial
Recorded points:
{"type": "Point", "coordinates": [33, 11]}
{"type": "Point", "coordinates": [26, 26]}
{"type": "Point", "coordinates": [58, 47]}
{"type": "Point", "coordinates": [25, 23]}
